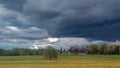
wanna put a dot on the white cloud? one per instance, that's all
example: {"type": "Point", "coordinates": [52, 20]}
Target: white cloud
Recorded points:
{"type": "Point", "coordinates": [116, 42]}
{"type": "Point", "coordinates": [52, 40]}
{"type": "Point", "coordinates": [13, 28]}
{"type": "Point", "coordinates": [66, 42]}
{"type": "Point", "coordinates": [19, 41]}
{"type": "Point", "coordinates": [98, 42]}
{"type": "Point", "coordinates": [22, 35]}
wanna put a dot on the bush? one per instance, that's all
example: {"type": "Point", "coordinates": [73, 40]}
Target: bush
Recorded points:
{"type": "Point", "coordinates": [50, 53]}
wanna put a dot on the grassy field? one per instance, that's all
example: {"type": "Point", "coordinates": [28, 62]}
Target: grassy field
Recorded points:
{"type": "Point", "coordinates": [64, 61]}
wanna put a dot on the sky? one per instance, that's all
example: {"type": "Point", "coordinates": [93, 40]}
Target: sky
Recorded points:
{"type": "Point", "coordinates": [24, 23]}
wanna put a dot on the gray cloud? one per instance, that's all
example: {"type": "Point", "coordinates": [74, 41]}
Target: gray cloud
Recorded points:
{"type": "Point", "coordinates": [96, 19]}
{"type": "Point", "coordinates": [68, 10]}
{"type": "Point", "coordinates": [14, 34]}
{"type": "Point", "coordinates": [74, 18]}
{"type": "Point", "coordinates": [16, 5]}
{"type": "Point", "coordinates": [11, 17]}
{"type": "Point", "coordinates": [65, 18]}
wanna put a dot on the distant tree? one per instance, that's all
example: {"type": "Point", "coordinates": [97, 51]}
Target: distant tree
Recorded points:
{"type": "Point", "coordinates": [106, 50]}
{"type": "Point", "coordinates": [102, 48]}
{"type": "Point", "coordinates": [2, 52]}
{"type": "Point", "coordinates": [50, 53]}
{"type": "Point", "coordinates": [64, 51]}
{"type": "Point", "coordinates": [15, 52]}
{"type": "Point", "coordinates": [115, 49]}
{"type": "Point", "coordinates": [110, 49]}
{"type": "Point", "coordinates": [119, 49]}
{"type": "Point", "coordinates": [93, 49]}
{"type": "Point", "coordinates": [61, 50]}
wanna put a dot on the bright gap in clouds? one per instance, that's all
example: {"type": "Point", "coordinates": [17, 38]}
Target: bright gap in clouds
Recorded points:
{"type": "Point", "coordinates": [52, 40]}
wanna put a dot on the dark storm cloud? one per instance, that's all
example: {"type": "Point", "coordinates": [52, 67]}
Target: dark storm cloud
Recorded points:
{"type": "Point", "coordinates": [98, 19]}
{"type": "Point", "coordinates": [13, 4]}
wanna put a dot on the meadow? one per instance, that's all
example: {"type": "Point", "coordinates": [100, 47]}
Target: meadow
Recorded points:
{"type": "Point", "coordinates": [63, 61]}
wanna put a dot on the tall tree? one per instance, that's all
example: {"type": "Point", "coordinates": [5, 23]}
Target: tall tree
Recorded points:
{"type": "Point", "coordinates": [93, 49]}
{"type": "Point", "coordinates": [110, 49]}
{"type": "Point", "coordinates": [102, 48]}
{"type": "Point", "coordinates": [50, 53]}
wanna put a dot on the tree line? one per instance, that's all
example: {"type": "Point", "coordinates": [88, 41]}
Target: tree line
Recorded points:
{"type": "Point", "coordinates": [20, 52]}
{"type": "Point", "coordinates": [103, 49]}
{"type": "Point", "coordinates": [48, 52]}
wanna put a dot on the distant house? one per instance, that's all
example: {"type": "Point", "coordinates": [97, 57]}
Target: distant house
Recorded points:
{"type": "Point", "coordinates": [76, 50]}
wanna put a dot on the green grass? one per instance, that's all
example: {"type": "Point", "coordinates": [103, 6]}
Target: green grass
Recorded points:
{"type": "Point", "coordinates": [63, 61]}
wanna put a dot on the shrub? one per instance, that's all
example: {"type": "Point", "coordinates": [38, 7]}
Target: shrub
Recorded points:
{"type": "Point", "coordinates": [50, 53]}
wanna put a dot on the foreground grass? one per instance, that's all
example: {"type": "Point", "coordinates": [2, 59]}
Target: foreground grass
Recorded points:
{"type": "Point", "coordinates": [64, 61]}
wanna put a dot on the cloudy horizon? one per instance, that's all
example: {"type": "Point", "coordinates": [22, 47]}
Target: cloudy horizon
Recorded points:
{"type": "Point", "coordinates": [79, 22]}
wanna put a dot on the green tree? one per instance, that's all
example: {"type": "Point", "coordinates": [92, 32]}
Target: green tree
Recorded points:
{"type": "Point", "coordinates": [50, 53]}
{"type": "Point", "coordinates": [93, 49]}
{"type": "Point", "coordinates": [2, 51]}
{"type": "Point", "coordinates": [119, 48]}
{"type": "Point", "coordinates": [115, 49]}
{"type": "Point", "coordinates": [71, 49]}
{"type": "Point", "coordinates": [102, 48]}
{"type": "Point", "coordinates": [110, 49]}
